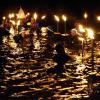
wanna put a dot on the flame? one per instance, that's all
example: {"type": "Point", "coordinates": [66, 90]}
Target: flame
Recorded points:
{"type": "Point", "coordinates": [85, 15]}
{"type": "Point", "coordinates": [64, 17]}
{"type": "Point", "coordinates": [20, 16]}
{"type": "Point", "coordinates": [43, 17]}
{"type": "Point", "coordinates": [56, 18]}
{"type": "Point", "coordinates": [3, 17]}
{"type": "Point", "coordinates": [90, 33]}
{"type": "Point", "coordinates": [11, 15]}
{"type": "Point", "coordinates": [35, 15]}
{"type": "Point", "coordinates": [27, 14]}
{"type": "Point", "coordinates": [37, 45]}
{"type": "Point", "coordinates": [98, 18]}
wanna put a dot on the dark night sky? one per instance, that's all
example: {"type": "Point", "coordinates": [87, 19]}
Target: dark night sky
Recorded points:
{"type": "Point", "coordinates": [72, 7]}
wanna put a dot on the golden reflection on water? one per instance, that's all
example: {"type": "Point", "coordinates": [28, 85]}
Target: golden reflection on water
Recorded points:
{"type": "Point", "coordinates": [69, 85]}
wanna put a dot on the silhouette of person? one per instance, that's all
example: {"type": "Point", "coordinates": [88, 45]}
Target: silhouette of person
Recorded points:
{"type": "Point", "coordinates": [60, 58]}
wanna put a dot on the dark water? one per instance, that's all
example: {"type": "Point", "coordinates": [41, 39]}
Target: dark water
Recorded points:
{"type": "Point", "coordinates": [26, 78]}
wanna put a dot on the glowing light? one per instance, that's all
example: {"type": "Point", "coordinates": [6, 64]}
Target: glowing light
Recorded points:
{"type": "Point", "coordinates": [35, 16]}
{"type": "Point", "coordinates": [11, 15]}
{"type": "Point", "coordinates": [4, 39]}
{"type": "Point", "coordinates": [13, 22]}
{"type": "Point", "coordinates": [56, 18]}
{"type": "Point", "coordinates": [80, 38]}
{"type": "Point", "coordinates": [90, 33]}
{"type": "Point", "coordinates": [12, 31]}
{"type": "Point", "coordinates": [81, 28]}
{"type": "Point", "coordinates": [78, 59]}
{"type": "Point", "coordinates": [27, 14]}
{"type": "Point", "coordinates": [21, 14]}
{"type": "Point", "coordinates": [13, 45]}
{"type": "Point", "coordinates": [37, 45]}
{"type": "Point", "coordinates": [98, 18]}
{"type": "Point", "coordinates": [44, 29]}
{"type": "Point", "coordinates": [29, 23]}
{"type": "Point", "coordinates": [3, 17]}
{"type": "Point", "coordinates": [18, 22]}
{"type": "Point", "coordinates": [85, 15]}
{"type": "Point", "coordinates": [64, 17]}
{"type": "Point", "coordinates": [80, 67]}
{"type": "Point", "coordinates": [43, 17]}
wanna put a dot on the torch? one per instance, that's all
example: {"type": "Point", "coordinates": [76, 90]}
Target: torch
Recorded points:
{"type": "Point", "coordinates": [64, 19]}
{"type": "Point", "coordinates": [57, 19]}
{"type": "Point", "coordinates": [35, 17]}
{"type": "Point", "coordinates": [98, 18]}
{"type": "Point", "coordinates": [43, 17]}
{"type": "Point", "coordinates": [85, 17]}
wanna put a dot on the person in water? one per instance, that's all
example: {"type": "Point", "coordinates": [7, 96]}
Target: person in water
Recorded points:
{"type": "Point", "coordinates": [60, 58]}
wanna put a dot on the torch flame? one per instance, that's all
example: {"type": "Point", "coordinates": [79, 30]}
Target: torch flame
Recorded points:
{"type": "Point", "coordinates": [64, 17]}
{"type": "Point", "coordinates": [27, 14]}
{"type": "Point", "coordinates": [85, 15]}
{"type": "Point", "coordinates": [98, 18]}
{"type": "Point", "coordinates": [43, 17]}
{"type": "Point", "coordinates": [20, 16]}
{"type": "Point", "coordinates": [11, 15]}
{"type": "Point", "coordinates": [56, 18]}
{"type": "Point", "coordinates": [35, 15]}
{"type": "Point", "coordinates": [3, 17]}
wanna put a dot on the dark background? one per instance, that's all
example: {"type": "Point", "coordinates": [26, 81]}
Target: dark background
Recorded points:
{"type": "Point", "coordinates": [73, 8]}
